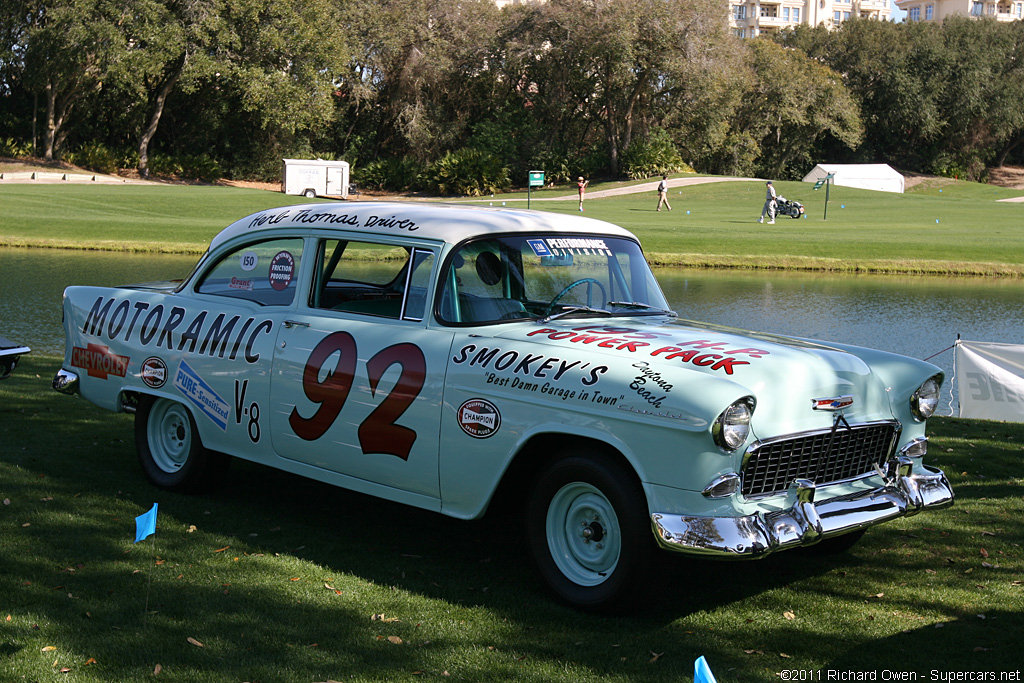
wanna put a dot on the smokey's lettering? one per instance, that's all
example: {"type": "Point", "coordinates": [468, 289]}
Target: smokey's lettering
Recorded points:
{"type": "Point", "coordinates": [158, 326]}
{"type": "Point", "coordinates": [527, 364]}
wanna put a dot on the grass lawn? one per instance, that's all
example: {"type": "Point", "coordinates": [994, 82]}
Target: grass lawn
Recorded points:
{"type": "Point", "coordinates": [946, 228]}
{"type": "Point", "coordinates": [277, 578]}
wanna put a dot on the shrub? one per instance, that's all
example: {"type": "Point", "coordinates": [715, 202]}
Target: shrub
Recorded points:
{"type": "Point", "coordinates": [200, 167]}
{"type": "Point", "coordinates": [467, 172]}
{"type": "Point", "coordinates": [651, 156]}
{"type": "Point", "coordinates": [95, 156]}
{"type": "Point", "coordinates": [164, 165]}
{"type": "Point", "coordinates": [9, 147]}
{"type": "Point", "coordinates": [395, 175]}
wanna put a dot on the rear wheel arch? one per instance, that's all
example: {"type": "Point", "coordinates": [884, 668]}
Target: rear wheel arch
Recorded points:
{"type": "Point", "coordinates": [169, 446]}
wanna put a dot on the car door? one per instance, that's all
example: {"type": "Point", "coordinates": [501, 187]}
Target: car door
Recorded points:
{"type": "Point", "coordinates": [358, 374]}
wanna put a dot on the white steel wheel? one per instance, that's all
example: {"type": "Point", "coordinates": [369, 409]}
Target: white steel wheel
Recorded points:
{"type": "Point", "coordinates": [589, 533]}
{"type": "Point", "coordinates": [170, 450]}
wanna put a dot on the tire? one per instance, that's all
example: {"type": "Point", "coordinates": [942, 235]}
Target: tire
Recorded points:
{"type": "Point", "coordinates": [589, 533]}
{"type": "Point", "coordinates": [309, 194]}
{"type": "Point", "coordinates": [835, 545]}
{"type": "Point", "coordinates": [170, 450]}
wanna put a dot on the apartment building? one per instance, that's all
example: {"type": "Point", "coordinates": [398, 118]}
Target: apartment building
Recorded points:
{"type": "Point", "coordinates": [752, 18]}
{"type": "Point", "coordinates": [937, 10]}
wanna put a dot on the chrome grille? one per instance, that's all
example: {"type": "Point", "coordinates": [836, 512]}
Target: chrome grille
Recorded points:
{"type": "Point", "coordinates": [823, 457]}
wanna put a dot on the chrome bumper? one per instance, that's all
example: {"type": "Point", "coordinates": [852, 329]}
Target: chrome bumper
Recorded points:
{"type": "Point", "coordinates": [66, 382]}
{"type": "Point", "coordinates": [805, 522]}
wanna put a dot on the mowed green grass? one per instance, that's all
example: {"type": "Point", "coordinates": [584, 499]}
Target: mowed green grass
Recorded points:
{"type": "Point", "coordinates": [928, 230]}
{"type": "Point", "coordinates": [277, 578]}
{"type": "Point", "coordinates": [944, 227]}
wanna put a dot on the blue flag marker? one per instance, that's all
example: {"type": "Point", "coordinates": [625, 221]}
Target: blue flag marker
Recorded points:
{"type": "Point", "coordinates": [145, 525]}
{"type": "Point", "coordinates": [702, 672]}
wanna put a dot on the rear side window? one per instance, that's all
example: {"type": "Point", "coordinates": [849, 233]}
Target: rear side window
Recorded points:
{"type": "Point", "coordinates": [265, 272]}
{"type": "Point", "coordinates": [373, 279]}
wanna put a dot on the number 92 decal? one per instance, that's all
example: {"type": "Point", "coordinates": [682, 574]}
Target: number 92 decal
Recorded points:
{"type": "Point", "coordinates": [379, 432]}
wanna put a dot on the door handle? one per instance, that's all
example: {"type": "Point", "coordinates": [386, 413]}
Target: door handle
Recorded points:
{"type": "Point", "coordinates": [294, 323]}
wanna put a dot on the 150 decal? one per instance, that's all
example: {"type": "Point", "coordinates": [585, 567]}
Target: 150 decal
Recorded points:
{"type": "Point", "coordinates": [379, 432]}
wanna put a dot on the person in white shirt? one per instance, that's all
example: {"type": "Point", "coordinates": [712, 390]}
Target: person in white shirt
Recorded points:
{"type": "Point", "coordinates": [769, 204]}
{"type": "Point", "coordinates": [663, 193]}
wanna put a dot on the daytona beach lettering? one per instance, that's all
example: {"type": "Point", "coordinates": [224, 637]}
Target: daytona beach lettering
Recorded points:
{"type": "Point", "coordinates": [110, 317]}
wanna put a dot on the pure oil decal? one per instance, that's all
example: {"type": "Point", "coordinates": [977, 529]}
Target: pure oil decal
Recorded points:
{"type": "Point", "coordinates": [202, 395]}
{"type": "Point", "coordinates": [206, 334]}
{"type": "Point", "coordinates": [716, 355]}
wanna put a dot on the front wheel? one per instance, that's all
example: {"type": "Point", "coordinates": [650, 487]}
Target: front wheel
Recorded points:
{"type": "Point", "coordinates": [589, 533]}
{"type": "Point", "coordinates": [309, 194]}
{"type": "Point", "coordinates": [170, 450]}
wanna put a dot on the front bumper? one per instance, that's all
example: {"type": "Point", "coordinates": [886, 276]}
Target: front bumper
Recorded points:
{"type": "Point", "coordinates": [805, 522]}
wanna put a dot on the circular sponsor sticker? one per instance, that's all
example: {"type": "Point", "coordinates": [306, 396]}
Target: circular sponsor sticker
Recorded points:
{"type": "Point", "coordinates": [249, 260]}
{"type": "Point", "coordinates": [154, 372]}
{"type": "Point", "coordinates": [479, 418]}
{"type": "Point", "coordinates": [282, 268]}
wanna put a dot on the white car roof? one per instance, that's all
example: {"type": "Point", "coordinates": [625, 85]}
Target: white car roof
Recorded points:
{"type": "Point", "coordinates": [450, 223]}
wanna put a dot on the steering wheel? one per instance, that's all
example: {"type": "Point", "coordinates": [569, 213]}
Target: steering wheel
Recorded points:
{"type": "Point", "coordinates": [589, 281]}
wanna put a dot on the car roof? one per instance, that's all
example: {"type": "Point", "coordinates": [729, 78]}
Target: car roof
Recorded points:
{"type": "Point", "coordinates": [450, 223]}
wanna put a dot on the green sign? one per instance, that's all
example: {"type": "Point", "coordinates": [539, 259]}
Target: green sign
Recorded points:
{"type": "Point", "coordinates": [536, 179]}
{"type": "Point", "coordinates": [817, 185]}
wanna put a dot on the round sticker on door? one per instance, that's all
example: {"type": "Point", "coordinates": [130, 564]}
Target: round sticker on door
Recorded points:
{"type": "Point", "coordinates": [249, 260]}
{"type": "Point", "coordinates": [479, 418]}
{"type": "Point", "coordinates": [282, 268]}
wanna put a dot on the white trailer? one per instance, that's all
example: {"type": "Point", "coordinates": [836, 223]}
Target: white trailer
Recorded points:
{"type": "Point", "coordinates": [315, 178]}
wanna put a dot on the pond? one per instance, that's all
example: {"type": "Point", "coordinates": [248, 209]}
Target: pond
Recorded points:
{"type": "Point", "coordinates": [915, 316]}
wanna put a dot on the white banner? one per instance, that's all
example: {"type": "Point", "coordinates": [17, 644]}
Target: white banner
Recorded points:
{"type": "Point", "coordinates": [990, 380]}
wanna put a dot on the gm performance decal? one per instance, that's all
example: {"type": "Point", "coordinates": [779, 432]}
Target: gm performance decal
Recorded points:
{"type": "Point", "coordinates": [202, 395]}
{"type": "Point", "coordinates": [716, 355]}
{"type": "Point", "coordinates": [98, 361]}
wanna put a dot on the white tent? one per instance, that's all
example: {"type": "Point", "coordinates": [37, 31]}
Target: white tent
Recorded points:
{"type": "Point", "coordinates": [881, 177]}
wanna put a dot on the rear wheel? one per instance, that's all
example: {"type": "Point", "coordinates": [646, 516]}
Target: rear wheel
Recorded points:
{"type": "Point", "coordinates": [170, 450]}
{"type": "Point", "coordinates": [589, 533]}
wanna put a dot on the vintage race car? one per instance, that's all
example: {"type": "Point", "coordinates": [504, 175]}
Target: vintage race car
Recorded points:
{"type": "Point", "coordinates": [440, 355]}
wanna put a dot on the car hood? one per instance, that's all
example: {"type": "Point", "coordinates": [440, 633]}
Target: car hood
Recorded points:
{"type": "Point", "coordinates": [786, 376]}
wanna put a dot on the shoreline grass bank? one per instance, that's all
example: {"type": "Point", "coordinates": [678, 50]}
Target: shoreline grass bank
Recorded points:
{"type": "Point", "coordinates": [957, 229]}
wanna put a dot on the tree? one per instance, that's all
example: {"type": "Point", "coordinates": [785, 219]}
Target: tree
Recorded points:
{"type": "Point", "coordinates": [67, 53]}
{"type": "Point", "coordinates": [792, 104]}
{"type": "Point", "coordinates": [613, 62]}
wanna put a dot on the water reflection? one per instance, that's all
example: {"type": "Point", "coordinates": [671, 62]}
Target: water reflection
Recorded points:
{"type": "Point", "coordinates": [915, 316]}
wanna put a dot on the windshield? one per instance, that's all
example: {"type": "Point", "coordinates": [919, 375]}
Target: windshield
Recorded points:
{"type": "Point", "coordinates": [546, 276]}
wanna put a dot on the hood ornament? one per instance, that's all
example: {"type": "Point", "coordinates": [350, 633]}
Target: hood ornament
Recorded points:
{"type": "Point", "coordinates": [832, 403]}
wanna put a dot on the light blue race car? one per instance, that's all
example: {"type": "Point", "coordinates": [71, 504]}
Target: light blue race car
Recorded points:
{"type": "Point", "coordinates": [441, 356]}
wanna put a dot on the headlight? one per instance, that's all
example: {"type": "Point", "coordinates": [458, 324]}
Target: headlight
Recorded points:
{"type": "Point", "coordinates": [926, 399]}
{"type": "Point", "coordinates": [732, 427]}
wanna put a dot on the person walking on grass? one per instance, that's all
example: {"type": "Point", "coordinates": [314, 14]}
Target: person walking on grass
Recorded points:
{"type": "Point", "coordinates": [769, 204]}
{"type": "Point", "coordinates": [582, 185]}
{"type": "Point", "coordinates": [663, 193]}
